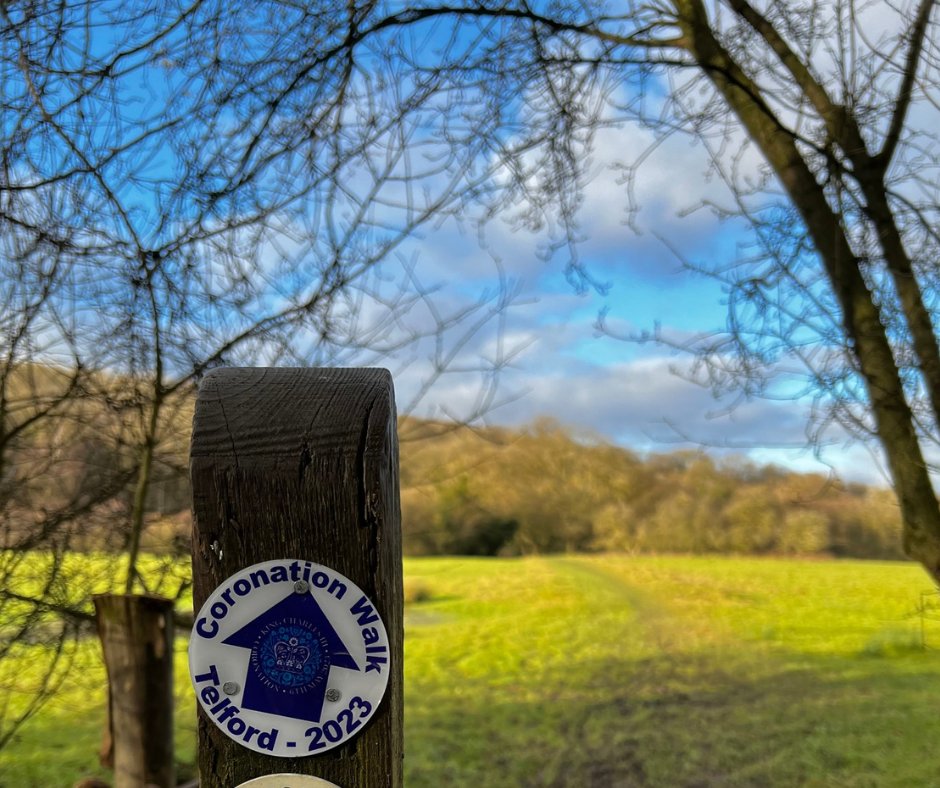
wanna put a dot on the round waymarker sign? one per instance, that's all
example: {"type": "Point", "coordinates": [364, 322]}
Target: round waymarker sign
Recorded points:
{"type": "Point", "coordinates": [287, 781]}
{"type": "Point", "coordinates": [289, 658]}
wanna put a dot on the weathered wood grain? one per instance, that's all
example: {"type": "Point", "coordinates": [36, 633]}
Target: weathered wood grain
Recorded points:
{"type": "Point", "coordinates": [302, 463]}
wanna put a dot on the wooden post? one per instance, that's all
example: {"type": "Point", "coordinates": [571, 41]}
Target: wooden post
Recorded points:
{"type": "Point", "coordinates": [302, 464]}
{"type": "Point", "coordinates": [136, 635]}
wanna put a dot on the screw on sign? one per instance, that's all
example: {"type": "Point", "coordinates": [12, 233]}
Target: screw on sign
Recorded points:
{"type": "Point", "coordinates": [289, 667]}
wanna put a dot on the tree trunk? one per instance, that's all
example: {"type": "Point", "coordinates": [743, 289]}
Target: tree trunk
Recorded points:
{"type": "Point", "coordinates": [867, 338]}
{"type": "Point", "coordinates": [137, 639]}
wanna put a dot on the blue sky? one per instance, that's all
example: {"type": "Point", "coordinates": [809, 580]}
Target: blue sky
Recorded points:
{"type": "Point", "coordinates": [634, 394]}
{"type": "Point", "coordinates": [562, 366]}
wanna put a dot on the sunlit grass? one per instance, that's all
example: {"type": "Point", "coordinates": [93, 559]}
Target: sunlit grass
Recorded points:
{"type": "Point", "coordinates": [611, 670]}
{"type": "Point", "coordinates": [670, 672]}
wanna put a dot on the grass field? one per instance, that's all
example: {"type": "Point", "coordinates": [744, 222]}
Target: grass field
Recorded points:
{"type": "Point", "coordinates": [616, 671]}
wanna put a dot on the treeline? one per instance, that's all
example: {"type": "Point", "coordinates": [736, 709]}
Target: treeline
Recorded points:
{"type": "Point", "coordinates": [490, 491]}
{"type": "Point", "coordinates": [544, 489]}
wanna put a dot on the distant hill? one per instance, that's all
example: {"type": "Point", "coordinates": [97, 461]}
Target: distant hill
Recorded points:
{"type": "Point", "coordinates": [465, 490]}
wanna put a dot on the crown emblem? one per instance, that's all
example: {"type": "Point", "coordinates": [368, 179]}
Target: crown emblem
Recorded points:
{"type": "Point", "coordinates": [291, 655]}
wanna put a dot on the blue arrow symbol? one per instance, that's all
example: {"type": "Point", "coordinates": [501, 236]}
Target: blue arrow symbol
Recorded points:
{"type": "Point", "coordinates": [293, 647]}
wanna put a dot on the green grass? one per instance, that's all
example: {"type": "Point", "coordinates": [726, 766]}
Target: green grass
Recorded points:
{"type": "Point", "coordinates": [616, 671]}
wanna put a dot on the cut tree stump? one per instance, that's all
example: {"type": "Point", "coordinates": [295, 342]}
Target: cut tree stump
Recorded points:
{"type": "Point", "coordinates": [136, 633]}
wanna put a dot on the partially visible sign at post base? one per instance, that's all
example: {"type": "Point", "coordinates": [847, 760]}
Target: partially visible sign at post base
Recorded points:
{"type": "Point", "coordinates": [287, 781]}
{"type": "Point", "coordinates": [289, 658]}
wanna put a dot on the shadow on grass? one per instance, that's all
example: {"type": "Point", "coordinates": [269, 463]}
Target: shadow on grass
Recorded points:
{"type": "Point", "coordinates": [712, 719]}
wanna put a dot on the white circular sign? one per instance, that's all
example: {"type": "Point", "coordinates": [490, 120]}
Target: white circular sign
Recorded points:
{"type": "Point", "coordinates": [289, 658]}
{"type": "Point", "coordinates": [287, 781]}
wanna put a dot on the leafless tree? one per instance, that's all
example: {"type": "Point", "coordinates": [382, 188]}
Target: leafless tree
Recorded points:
{"type": "Point", "coordinates": [501, 101]}
{"type": "Point", "coordinates": [159, 218]}
{"type": "Point", "coordinates": [221, 180]}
